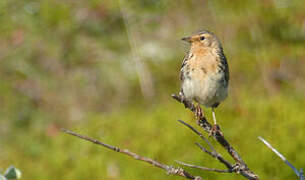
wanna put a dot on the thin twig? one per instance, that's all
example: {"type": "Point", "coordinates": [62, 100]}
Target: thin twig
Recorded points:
{"type": "Point", "coordinates": [203, 123]}
{"type": "Point", "coordinates": [299, 173]}
{"type": "Point", "coordinates": [198, 133]}
{"type": "Point", "coordinates": [204, 168]}
{"type": "Point", "coordinates": [218, 157]}
{"type": "Point", "coordinates": [169, 169]}
{"type": "Point", "coordinates": [214, 153]}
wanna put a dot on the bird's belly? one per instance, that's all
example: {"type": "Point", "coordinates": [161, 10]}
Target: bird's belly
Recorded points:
{"type": "Point", "coordinates": [206, 91]}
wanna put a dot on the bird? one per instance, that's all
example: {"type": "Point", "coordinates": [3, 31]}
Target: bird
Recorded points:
{"type": "Point", "coordinates": [204, 72]}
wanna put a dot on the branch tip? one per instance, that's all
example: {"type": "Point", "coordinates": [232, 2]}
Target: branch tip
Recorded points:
{"type": "Point", "coordinates": [299, 173]}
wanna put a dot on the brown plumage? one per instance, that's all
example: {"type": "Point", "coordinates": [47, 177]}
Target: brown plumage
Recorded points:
{"type": "Point", "coordinates": [205, 72]}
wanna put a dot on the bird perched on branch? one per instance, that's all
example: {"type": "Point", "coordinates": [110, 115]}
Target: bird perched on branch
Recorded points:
{"type": "Point", "coordinates": [205, 72]}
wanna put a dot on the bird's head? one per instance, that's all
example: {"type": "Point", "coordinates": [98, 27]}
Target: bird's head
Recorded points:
{"type": "Point", "coordinates": [203, 39]}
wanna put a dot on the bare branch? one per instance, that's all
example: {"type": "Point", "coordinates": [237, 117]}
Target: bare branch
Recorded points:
{"type": "Point", "coordinates": [214, 153]}
{"type": "Point", "coordinates": [241, 167]}
{"type": "Point", "coordinates": [218, 157]}
{"type": "Point", "coordinates": [169, 169]}
{"type": "Point", "coordinates": [296, 171]}
{"type": "Point", "coordinates": [204, 168]}
{"type": "Point", "coordinates": [198, 133]}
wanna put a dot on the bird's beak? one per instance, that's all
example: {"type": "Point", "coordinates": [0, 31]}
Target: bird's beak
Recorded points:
{"type": "Point", "coordinates": [187, 39]}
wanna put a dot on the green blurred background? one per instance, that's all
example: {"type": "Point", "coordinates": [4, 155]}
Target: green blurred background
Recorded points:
{"type": "Point", "coordinates": [107, 69]}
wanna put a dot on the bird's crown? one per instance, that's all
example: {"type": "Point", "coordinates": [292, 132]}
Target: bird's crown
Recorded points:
{"type": "Point", "coordinates": [203, 38]}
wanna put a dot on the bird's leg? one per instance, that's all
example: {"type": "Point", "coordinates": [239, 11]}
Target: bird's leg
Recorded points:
{"type": "Point", "coordinates": [198, 112]}
{"type": "Point", "coordinates": [214, 116]}
{"type": "Point", "coordinates": [215, 127]}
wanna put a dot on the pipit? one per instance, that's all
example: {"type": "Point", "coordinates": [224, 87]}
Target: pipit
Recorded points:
{"type": "Point", "coordinates": [205, 73]}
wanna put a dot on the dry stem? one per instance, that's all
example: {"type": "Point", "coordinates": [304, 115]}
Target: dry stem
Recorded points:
{"type": "Point", "coordinates": [169, 169]}
{"type": "Point", "coordinates": [299, 173]}
{"type": "Point", "coordinates": [240, 166]}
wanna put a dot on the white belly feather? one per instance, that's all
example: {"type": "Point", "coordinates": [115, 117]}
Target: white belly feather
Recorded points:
{"type": "Point", "coordinates": [206, 91]}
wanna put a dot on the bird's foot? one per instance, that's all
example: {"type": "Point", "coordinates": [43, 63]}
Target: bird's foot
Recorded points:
{"type": "Point", "coordinates": [215, 131]}
{"type": "Point", "coordinates": [198, 112]}
{"type": "Point", "coordinates": [238, 168]}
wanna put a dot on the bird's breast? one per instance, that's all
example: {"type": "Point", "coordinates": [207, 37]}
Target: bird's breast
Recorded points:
{"type": "Point", "coordinates": [204, 82]}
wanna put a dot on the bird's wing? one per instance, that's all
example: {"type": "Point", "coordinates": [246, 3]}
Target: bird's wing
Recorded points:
{"type": "Point", "coordinates": [224, 65]}
{"type": "Point", "coordinates": [184, 62]}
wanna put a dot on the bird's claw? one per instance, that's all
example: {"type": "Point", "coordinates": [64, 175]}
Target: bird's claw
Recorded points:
{"type": "Point", "coordinates": [215, 130]}
{"type": "Point", "coordinates": [237, 168]}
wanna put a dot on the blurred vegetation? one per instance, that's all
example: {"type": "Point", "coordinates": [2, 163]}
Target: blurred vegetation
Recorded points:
{"type": "Point", "coordinates": [81, 65]}
{"type": "Point", "coordinates": [10, 173]}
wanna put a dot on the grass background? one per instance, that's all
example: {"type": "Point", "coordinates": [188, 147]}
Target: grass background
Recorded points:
{"type": "Point", "coordinates": [70, 64]}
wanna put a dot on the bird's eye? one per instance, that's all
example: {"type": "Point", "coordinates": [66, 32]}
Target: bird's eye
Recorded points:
{"type": "Point", "coordinates": [202, 38]}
